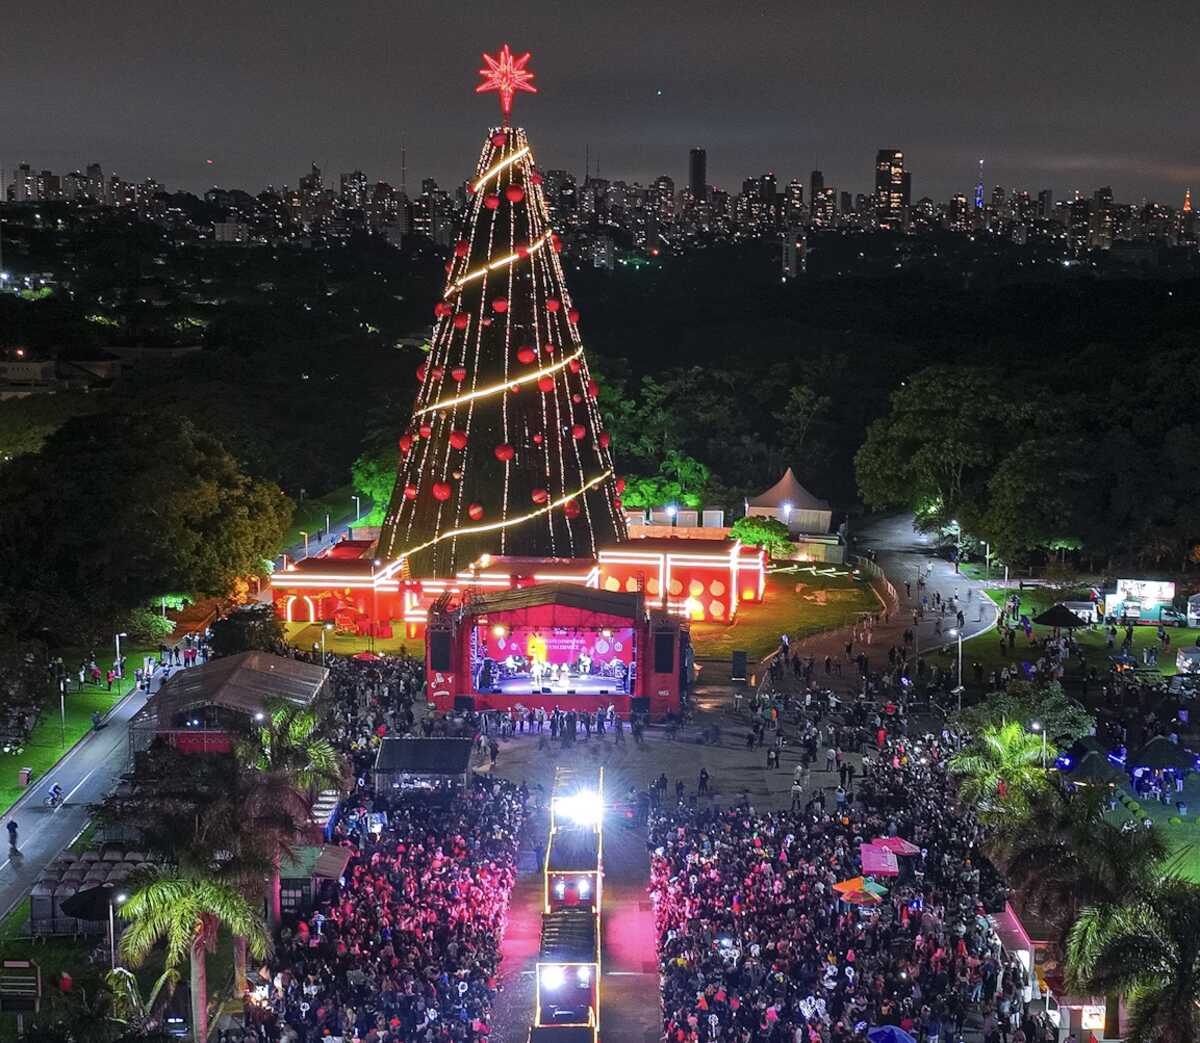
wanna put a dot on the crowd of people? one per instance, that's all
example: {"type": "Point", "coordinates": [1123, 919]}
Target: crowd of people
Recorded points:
{"type": "Point", "coordinates": [756, 946]}
{"type": "Point", "coordinates": [407, 948]}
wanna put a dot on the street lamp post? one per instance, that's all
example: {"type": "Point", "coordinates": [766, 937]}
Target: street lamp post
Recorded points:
{"type": "Point", "coordinates": [305, 535]}
{"type": "Point", "coordinates": [327, 626]}
{"type": "Point", "coordinates": [62, 707]}
{"type": "Point", "coordinates": [958, 543]}
{"type": "Point", "coordinates": [672, 510]}
{"type": "Point", "coordinates": [1037, 727]}
{"type": "Point", "coordinates": [113, 902]}
{"type": "Point", "coordinates": [357, 507]}
{"type": "Point", "coordinates": [120, 670]}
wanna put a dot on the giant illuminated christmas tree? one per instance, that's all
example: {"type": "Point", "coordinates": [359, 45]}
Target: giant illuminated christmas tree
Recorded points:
{"type": "Point", "coordinates": [506, 452]}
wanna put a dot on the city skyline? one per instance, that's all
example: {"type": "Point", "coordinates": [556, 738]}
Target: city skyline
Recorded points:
{"type": "Point", "coordinates": [1061, 108]}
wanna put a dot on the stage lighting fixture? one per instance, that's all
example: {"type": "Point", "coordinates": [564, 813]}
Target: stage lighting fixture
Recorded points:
{"type": "Point", "coordinates": [584, 974]}
{"type": "Point", "coordinates": [560, 889]}
{"type": "Point", "coordinates": [584, 808]}
{"type": "Point", "coordinates": [499, 630]}
{"type": "Point", "coordinates": [552, 976]}
{"type": "Point", "coordinates": [584, 886]}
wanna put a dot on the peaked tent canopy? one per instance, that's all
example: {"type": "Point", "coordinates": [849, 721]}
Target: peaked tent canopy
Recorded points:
{"type": "Point", "coordinates": [789, 491]}
{"type": "Point", "coordinates": [1060, 617]}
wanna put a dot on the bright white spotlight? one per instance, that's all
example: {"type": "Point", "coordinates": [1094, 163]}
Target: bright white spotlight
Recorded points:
{"type": "Point", "coordinates": [584, 886]}
{"type": "Point", "coordinates": [584, 974]}
{"type": "Point", "coordinates": [584, 808]}
{"type": "Point", "coordinates": [560, 889]}
{"type": "Point", "coordinates": [552, 976]}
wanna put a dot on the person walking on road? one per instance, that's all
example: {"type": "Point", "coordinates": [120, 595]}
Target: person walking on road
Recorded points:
{"type": "Point", "coordinates": [12, 833]}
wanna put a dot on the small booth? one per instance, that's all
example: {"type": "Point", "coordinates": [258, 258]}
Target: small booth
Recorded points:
{"type": "Point", "coordinates": [437, 765]}
{"type": "Point", "coordinates": [1187, 660]}
{"type": "Point", "coordinates": [568, 973]}
{"type": "Point", "coordinates": [789, 502]}
{"type": "Point", "coordinates": [302, 876]}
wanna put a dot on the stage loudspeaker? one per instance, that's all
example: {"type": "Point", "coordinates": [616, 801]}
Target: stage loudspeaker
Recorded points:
{"type": "Point", "coordinates": [639, 704]}
{"type": "Point", "coordinates": [570, 691]}
{"type": "Point", "coordinates": [664, 652]}
{"type": "Point", "coordinates": [737, 668]}
{"type": "Point", "coordinates": [464, 702]}
{"type": "Point", "coordinates": [545, 691]}
{"type": "Point", "coordinates": [439, 649]}
{"type": "Point", "coordinates": [604, 691]}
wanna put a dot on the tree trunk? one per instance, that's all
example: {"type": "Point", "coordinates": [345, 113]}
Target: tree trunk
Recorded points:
{"type": "Point", "coordinates": [274, 899]}
{"type": "Point", "coordinates": [199, 991]}
{"type": "Point", "coordinates": [1112, 1017]}
{"type": "Point", "coordinates": [239, 964]}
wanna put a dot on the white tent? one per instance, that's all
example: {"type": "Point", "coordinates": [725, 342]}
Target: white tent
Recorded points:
{"type": "Point", "coordinates": [789, 502]}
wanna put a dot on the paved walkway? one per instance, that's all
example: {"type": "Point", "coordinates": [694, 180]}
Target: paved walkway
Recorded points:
{"type": "Point", "coordinates": [87, 774]}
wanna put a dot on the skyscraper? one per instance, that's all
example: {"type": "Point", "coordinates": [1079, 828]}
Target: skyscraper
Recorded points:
{"type": "Point", "coordinates": [979, 188]}
{"type": "Point", "coordinates": [889, 187]}
{"type": "Point", "coordinates": [698, 175]}
{"type": "Point", "coordinates": [816, 189]}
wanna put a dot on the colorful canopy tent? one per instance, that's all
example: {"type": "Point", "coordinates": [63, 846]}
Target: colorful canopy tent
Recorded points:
{"type": "Point", "coordinates": [789, 502]}
{"type": "Point", "coordinates": [878, 861]}
{"type": "Point", "coordinates": [897, 845]}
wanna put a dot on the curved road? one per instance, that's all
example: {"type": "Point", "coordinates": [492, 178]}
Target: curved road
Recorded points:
{"type": "Point", "coordinates": [87, 774]}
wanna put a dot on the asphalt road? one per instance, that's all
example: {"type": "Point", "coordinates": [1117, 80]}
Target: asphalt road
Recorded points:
{"type": "Point", "coordinates": [87, 774]}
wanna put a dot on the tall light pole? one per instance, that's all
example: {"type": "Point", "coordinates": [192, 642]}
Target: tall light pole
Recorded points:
{"type": "Point", "coordinates": [117, 662]}
{"type": "Point", "coordinates": [357, 507]}
{"type": "Point", "coordinates": [305, 535]}
{"type": "Point", "coordinates": [113, 901]}
{"type": "Point", "coordinates": [672, 510]}
{"type": "Point", "coordinates": [958, 543]}
{"type": "Point", "coordinates": [1037, 727]}
{"type": "Point", "coordinates": [327, 626]}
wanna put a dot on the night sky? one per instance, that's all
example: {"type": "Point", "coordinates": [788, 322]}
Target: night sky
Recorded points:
{"type": "Point", "coordinates": [1065, 95]}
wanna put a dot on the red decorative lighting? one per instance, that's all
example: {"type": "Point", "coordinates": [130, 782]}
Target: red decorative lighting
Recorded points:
{"type": "Point", "coordinates": [506, 74]}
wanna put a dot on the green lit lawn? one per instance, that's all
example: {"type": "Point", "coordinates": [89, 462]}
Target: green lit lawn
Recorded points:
{"type": "Point", "coordinates": [305, 635]}
{"type": "Point", "coordinates": [986, 649]}
{"type": "Point", "coordinates": [800, 604]}
{"type": "Point", "coordinates": [310, 515]}
{"type": "Point", "coordinates": [46, 745]}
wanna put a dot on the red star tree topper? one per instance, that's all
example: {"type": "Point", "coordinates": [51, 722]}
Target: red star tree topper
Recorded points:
{"type": "Point", "coordinates": [506, 451]}
{"type": "Point", "coordinates": [506, 75]}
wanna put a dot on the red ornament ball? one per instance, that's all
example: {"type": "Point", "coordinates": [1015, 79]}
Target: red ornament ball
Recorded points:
{"type": "Point", "coordinates": [410, 492]}
{"type": "Point", "coordinates": [459, 374]}
{"type": "Point", "coordinates": [425, 430]}
{"type": "Point", "coordinates": [546, 384]}
{"type": "Point", "coordinates": [571, 509]}
{"type": "Point", "coordinates": [491, 200]}
{"type": "Point", "coordinates": [619, 485]}
{"type": "Point", "coordinates": [405, 442]}
{"type": "Point", "coordinates": [617, 502]}
{"type": "Point", "coordinates": [500, 305]}
{"type": "Point", "coordinates": [604, 438]}
{"type": "Point", "coordinates": [461, 320]}
{"type": "Point", "coordinates": [548, 348]}
{"type": "Point", "coordinates": [486, 321]}
{"type": "Point", "coordinates": [538, 438]}
{"type": "Point", "coordinates": [475, 511]}
{"type": "Point", "coordinates": [556, 243]}
{"type": "Point", "coordinates": [458, 439]}
{"type": "Point", "coordinates": [522, 251]}
{"type": "Point", "coordinates": [513, 388]}
{"type": "Point", "coordinates": [421, 373]}
{"type": "Point", "coordinates": [535, 178]}
{"type": "Point", "coordinates": [499, 138]}
{"type": "Point", "coordinates": [461, 248]}
{"type": "Point", "coordinates": [441, 308]}
{"type": "Point", "coordinates": [578, 431]}
{"type": "Point", "coordinates": [577, 398]}
{"type": "Point", "coordinates": [539, 495]}
{"type": "Point", "coordinates": [441, 490]}
{"type": "Point", "coordinates": [574, 366]}
{"type": "Point", "coordinates": [504, 452]}
{"type": "Point", "coordinates": [438, 373]}
{"type": "Point", "coordinates": [593, 389]}
{"type": "Point", "coordinates": [514, 193]}
{"type": "Point", "coordinates": [526, 354]}
{"type": "Point", "coordinates": [553, 304]}
{"type": "Point", "coordinates": [573, 316]}
{"type": "Point", "coordinates": [449, 267]}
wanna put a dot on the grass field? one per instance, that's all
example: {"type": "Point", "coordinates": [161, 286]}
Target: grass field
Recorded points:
{"type": "Point", "coordinates": [310, 515]}
{"type": "Point", "coordinates": [305, 635]}
{"type": "Point", "coordinates": [46, 743]}
{"type": "Point", "coordinates": [986, 649]}
{"type": "Point", "coordinates": [799, 603]}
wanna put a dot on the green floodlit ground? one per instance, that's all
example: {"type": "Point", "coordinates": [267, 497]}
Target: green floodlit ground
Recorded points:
{"type": "Point", "coordinates": [46, 745]}
{"type": "Point", "coordinates": [309, 516]}
{"type": "Point", "coordinates": [801, 602]}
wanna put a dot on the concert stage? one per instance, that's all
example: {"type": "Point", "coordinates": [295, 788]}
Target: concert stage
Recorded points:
{"type": "Point", "coordinates": [557, 646]}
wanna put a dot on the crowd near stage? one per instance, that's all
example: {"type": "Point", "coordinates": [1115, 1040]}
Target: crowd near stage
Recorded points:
{"type": "Point", "coordinates": [557, 646]}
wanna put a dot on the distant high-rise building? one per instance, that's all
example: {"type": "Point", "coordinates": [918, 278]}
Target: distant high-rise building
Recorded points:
{"type": "Point", "coordinates": [96, 185]}
{"type": "Point", "coordinates": [698, 175]}
{"type": "Point", "coordinates": [24, 185]}
{"type": "Point", "coordinates": [816, 185]}
{"type": "Point", "coordinates": [794, 202]}
{"type": "Point", "coordinates": [956, 216]}
{"type": "Point", "coordinates": [1187, 219]}
{"type": "Point", "coordinates": [354, 190]}
{"type": "Point", "coordinates": [889, 188]}
{"type": "Point", "coordinates": [1046, 204]}
{"type": "Point", "coordinates": [846, 203]}
{"type": "Point", "coordinates": [979, 188]}
{"type": "Point", "coordinates": [664, 198]}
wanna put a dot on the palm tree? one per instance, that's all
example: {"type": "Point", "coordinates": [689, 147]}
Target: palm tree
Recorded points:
{"type": "Point", "coordinates": [295, 761]}
{"type": "Point", "coordinates": [1002, 769]}
{"type": "Point", "coordinates": [187, 911]}
{"type": "Point", "coordinates": [129, 1007]}
{"type": "Point", "coordinates": [1148, 951]}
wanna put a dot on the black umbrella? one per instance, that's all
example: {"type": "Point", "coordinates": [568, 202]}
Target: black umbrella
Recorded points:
{"type": "Point", "coordinates": [1060, 617]}
{"type": "Point", "coordinates": [92, 902]}
{"type": "Point", "coordinates": [1161, 752]}
{"type": "Point", "coordinates": [1095, 769]}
